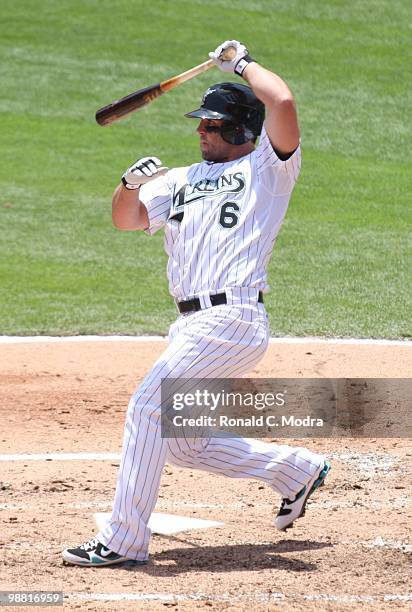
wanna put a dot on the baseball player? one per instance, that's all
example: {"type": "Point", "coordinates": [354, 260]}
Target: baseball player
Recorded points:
{"type": "Point", "coordinates": [220, 218]}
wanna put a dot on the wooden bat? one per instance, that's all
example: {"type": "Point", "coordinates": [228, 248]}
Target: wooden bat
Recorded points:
{"type": "Point", "coordinates": [123, 107]}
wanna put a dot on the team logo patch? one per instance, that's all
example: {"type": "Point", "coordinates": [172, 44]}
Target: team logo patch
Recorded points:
{"type": "Point", "coordinates": [208, 188]}
{"type": "Point", "coordinates": [207, 93]}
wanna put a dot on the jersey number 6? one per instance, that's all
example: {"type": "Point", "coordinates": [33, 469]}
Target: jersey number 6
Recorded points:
{"type": "Point", "coordinates": [228, 217]}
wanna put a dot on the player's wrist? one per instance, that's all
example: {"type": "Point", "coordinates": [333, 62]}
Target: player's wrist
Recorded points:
{"type": "Point", "coordinates": [242, 64]}
{"type": "Point", "coordinates": [129, 186]}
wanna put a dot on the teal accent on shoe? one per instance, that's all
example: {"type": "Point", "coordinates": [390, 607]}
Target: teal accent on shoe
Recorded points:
{"type": "Point", "coordinates": [322, 476]}
{"type": "Point", "coordinates": [97, 560]}
{"type": "Point", "coordinates": [301, 492]}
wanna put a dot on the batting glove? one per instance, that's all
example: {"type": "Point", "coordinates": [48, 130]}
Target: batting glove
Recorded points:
{"type": "Point", "coordinates": [235, 65]}
{"type": "Point", "coordinates": [142, 171]}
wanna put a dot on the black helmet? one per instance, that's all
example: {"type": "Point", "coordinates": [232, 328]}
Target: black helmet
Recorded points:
{"type": "Point", "coordinates": [238, 106]}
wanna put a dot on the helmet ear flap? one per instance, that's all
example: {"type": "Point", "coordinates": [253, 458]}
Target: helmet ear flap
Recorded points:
{"type": "Point", "coordinates": [234, 134]}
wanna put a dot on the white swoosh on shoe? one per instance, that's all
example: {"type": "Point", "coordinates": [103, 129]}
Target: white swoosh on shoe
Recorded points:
{"type": "Point", "coordinates": [105, 552]}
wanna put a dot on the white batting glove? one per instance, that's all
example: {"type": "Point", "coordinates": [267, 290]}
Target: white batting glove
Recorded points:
{"type": "Point", "coordinates": [237, 63]}
{"type": "Point", "coordinates": [142, 171]}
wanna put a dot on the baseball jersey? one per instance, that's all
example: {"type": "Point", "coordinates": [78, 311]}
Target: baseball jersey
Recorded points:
{"type": "Point", "coordinates": [221, 219]}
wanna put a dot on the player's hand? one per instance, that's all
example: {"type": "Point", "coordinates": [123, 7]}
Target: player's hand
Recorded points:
{"type": "Point", "coordinates": [239, 62]}
{"type": "Point", "coordinates": [143, 170]}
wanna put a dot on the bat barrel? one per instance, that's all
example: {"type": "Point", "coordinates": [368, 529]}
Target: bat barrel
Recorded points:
{"type": "Point", "coordinates": [116, 110]}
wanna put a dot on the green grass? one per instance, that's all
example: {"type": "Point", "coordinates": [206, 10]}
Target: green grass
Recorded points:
{"type": "Point", "coordinates": [340, 266]}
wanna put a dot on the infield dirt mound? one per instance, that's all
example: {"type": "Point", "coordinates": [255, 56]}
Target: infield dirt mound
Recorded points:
{"type": "Point", "coordinates": [352, 549]}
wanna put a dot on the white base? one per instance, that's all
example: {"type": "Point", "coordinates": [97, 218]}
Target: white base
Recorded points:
{"type": "Point", "coordinates": [164, 524]}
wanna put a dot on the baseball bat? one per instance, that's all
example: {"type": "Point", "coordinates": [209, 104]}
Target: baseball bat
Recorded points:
{"type": "Point", "coordinates": [123, 107]}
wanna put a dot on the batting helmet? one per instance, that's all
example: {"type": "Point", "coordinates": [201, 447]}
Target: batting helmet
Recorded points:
{"type": "Point", "coordinates": [237, 105]}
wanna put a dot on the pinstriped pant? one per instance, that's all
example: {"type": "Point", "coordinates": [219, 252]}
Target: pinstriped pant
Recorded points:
{"type": "Point", "coordinates": [220, 342]}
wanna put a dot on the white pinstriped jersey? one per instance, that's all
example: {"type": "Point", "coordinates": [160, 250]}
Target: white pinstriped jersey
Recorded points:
{"type": "Point", "coordinates": [221, 219]}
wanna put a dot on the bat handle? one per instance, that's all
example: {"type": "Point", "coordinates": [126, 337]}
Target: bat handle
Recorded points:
{"type": "Point", "coordinates": [185, 76]}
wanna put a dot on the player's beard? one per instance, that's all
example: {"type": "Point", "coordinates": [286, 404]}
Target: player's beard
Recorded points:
{"type": "Point", "coordinates": [214, 159]}
{"type": "Point", "coordinates": [213, 156]}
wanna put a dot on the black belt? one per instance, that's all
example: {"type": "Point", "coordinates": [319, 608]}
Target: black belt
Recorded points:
{"type": "Point", "coordinates": [215, 300]}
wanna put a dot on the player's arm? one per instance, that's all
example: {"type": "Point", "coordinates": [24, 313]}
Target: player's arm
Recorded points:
{"type": "Point", "coordinates": [281, 121]}
{"type": "Point", "coordinates": [128, 212]}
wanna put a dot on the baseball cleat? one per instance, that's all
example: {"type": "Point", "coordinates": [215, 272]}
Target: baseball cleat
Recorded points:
{"type": "Point", "coordinates": [292, 510]}
{"type": "Point", "coordinates": [94, 554]}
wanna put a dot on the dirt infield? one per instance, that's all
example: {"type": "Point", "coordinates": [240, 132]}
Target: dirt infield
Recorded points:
{"type": "Point", "coordinates": [351, 550]}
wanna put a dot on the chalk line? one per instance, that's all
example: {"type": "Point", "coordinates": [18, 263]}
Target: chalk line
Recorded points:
{"type": "Point", "coordinates": [273, 340]}
{"type": "Point", "coordinates": [368, 462]}
{"type": "Point", "coordinates": [44, 339]}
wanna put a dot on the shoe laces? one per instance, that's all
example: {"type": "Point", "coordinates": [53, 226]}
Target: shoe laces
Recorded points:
{"type": "Point", "coordinates": [90, 544]}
